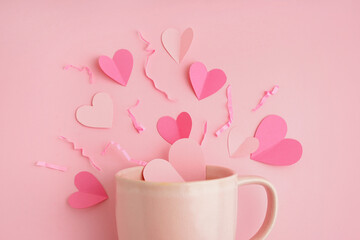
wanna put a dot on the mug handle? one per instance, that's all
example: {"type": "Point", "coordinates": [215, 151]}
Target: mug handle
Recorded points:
{"type": "Point", "coordinates": [271, 205]}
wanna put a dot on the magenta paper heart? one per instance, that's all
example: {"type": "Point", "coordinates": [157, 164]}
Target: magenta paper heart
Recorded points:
{"type": "Point", "coordinates": [186, 162]}
{"type": "Point", "coordinates": [90, 193]}
{"type": "Point", "coordinates": [159, 170]}
{"type": "Point", "coordinates": [172, 130]}
{"type": "Point", "coordinates": [119, 68]}
{"type": "Point", "coordinates": [175, 45]}
{"type": "Point", "coordinates": [274, 148]}
{"type": "Point", "coordinates": [205, 83]}
{"type": "Point", "coordinates": [99, 115]}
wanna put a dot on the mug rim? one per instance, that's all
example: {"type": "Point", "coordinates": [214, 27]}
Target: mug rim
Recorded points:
{"type": "Point", "coordinates": [119, 177]}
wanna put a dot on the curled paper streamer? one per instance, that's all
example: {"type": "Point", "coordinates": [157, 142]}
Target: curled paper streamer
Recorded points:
{"type": "Point", "coordinates": [230, 111]}
{"type": "Point", "coordinates": [51, 166]}
{"type": "Point", "coordinates": [82, 153]}
{"type": "Point", "coordinates": [136, 125]}
{"type": "Point", "coordinates": [87, 69]}
{"type": "Point", "coordinates": [204, 134]}
{"type": "Point", "coordinates": [151, 52]}
{"type": "Point", "coordinates": [267, 94]}
{"type": "Point", "coordinates": [123, 151]}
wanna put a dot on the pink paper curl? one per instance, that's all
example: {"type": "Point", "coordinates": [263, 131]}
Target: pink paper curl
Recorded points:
{"type": "Point", "coordinates": [51, 166]}
{"type": "Point", "coordinates": [87, 69]}
{"type": "Point", "coordinates": [204, 133]}
{"type": "Point", "coordinates": [82, 152]}
{"type": "Point", "coordinates": [230, 111]}
{"type": "Point", "coordinates": [267, 94]}
{"type": "Point", "coordinates": [123, 151]}
{"type": "Point", "coordinates": [151, 52]}
{"type": "Point", "coordinates": [136, 125]}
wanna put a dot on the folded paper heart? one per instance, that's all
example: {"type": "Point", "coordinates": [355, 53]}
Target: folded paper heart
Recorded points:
{"type": "Point", "coordinates": [176, 45]}
{"type": "Point", "coordinates": [160, 170]}
{"type": "Point", "coordinates": [119, 67]}
{"type": "Point", "coordinates": [90, 193]}
{"type": "Point", "coordinates": [205, 83]}
{"type": "Point", "coordinates": [274, 148]}
{"type": "Point", "coordinates": [172, 130]}
{"type": "Point", "coordinates": [186, 162]}
{"type": "Point", "coordinates": [238, 147]}
{"type": "Point", "coordinates": [99, 115]}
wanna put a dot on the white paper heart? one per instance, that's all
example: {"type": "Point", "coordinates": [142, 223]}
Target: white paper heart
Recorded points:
{"type": "Point", "coordinates": [99, 115]}
{"type": "Point", "coordinates": [176, 45]}
{"type": "Point", "coordinates": [160, 170]}
{"type": "Point", "coordinates": [186, 163]}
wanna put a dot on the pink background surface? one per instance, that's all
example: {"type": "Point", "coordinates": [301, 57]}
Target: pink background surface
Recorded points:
{"type": "Point", "coordinates": [309, 48]}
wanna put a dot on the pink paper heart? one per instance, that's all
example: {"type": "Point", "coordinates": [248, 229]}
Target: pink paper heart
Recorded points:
{"type": "Point", "coordinates": [248, 146]}
{"type": "Point", "coordinates": [175, 45]}
{"type": "Point", "coordinates": [205, 83]}
{"type": "Point", "coordinates": [90, 193]}
{"type": "Point", "coordinates": [274, 148]}
{"type": "Point", "coordinates": [172, 130]}
{"type": "Point", "coordinates": [99, 115]}
{"type": "Point", "coordinates": [159, 170]}
{"type": "Point", "coordinates": [237, 146]}
{"type": "Point", "coordinates": [119, 68]}
{"type": "Point", "coordinates": [187, 158]}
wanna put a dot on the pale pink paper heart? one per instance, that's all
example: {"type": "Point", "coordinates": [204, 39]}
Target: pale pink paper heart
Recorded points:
{"type": "Point", "coordinates": [159, 170]}
{"type": "Point", "coordinates": [187, 158]}
{"type": "Point", "coordinates": [99, 115]}
{"type": "Point", "coordinates": [176, 45]}
{"type": "Point", "coordinates": [119, 67]}
{"type": "Point", "coordinates": [274, 148]}
{"type": "Point", "coordinates": [172, 130]}
{"type": "Point", "coordinates": [237, 146]}
{"type": "Point", "coordinates": [90, 193]}
{"type": "Point", "coordinates": [205, 83]}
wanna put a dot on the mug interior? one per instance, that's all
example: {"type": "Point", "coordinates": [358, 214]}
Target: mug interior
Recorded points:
{"type": "Point", "coordinates": [212, 172]}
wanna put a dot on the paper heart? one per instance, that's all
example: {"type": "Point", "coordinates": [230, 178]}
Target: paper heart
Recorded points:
{"type": "Point", "coordinates": [205, 83]}
{"type": "Point", "coordinates": [159, 170]}
{"type": "Point", "coordinates": [99, 115]}
{"type": "Point", "coordinates": [119, 68]}
{"type": "Point", "coordinates": [274, 148]}
{"type": "Point", "coordinates": [175, 45]}
{"type": "Point", "coordinates": [241, 149]}
{"type": "Point", "coordinates": [90, 193]}
{"type": "Point", "coordinates": [172, 130]}
{"type": "Point", "coordinates": [187, 158]}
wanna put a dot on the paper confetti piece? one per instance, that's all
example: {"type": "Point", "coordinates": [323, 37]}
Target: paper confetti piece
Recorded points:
{"type": "Point", "coordinates": [51, 166]}
{"type": "Point", "coordinates": [82, 152]}
{"type": "Point", "coordinates": [82, 68]}
{"type": "Point", "coordinates": [266, 96]}
{"type": "Point", "coordinates": [230, 111]}
{"type": "Point", "coordinates": [151, 52]}
{"type": "Point", "coordinates": [204, 134]}
{"type": "Point", "coordinates": [136, 125]}
{"type": "Point", "coordinates": [123, 151]}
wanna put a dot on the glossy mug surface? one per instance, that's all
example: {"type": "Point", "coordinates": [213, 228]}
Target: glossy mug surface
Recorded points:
{"type": "Point", "coordinates": [200, 210]}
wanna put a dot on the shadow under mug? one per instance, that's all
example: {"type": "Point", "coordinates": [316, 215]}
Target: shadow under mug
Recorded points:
{"type": "Point", "coordinates": [199, 210]}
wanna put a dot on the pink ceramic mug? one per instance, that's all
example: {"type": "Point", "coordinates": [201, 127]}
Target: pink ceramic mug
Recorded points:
{"type": "Point", "coordinates": [201, 210]}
